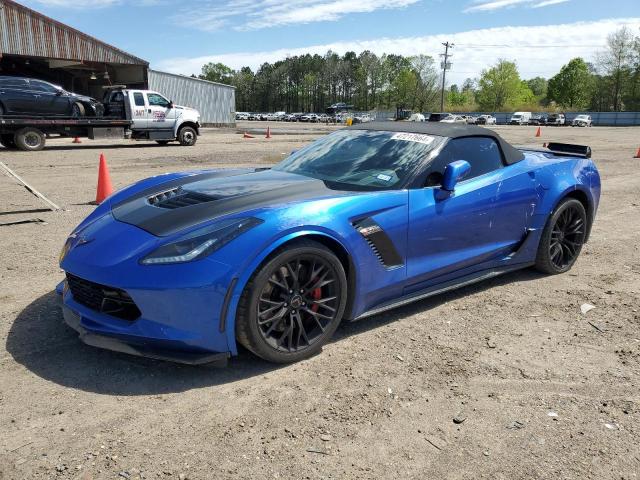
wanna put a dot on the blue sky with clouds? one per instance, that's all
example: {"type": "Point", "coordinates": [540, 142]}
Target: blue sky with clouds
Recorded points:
{"type": "Point", "coordinates": [180, 36]}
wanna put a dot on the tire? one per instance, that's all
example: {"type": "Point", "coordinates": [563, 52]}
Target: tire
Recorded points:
{"type": "Point", "coordinates": [187, 136]}
{"type": "Point", "coordinates": [162, 142]}
{"type": "Point", "coordinates": [301, 291]}
{"type": "Point", "coordinates": [78, 110]}
{"type": "Point", "coordinates": [566, 228]}
{"type": "Point", "coordinates": [7, 140]}
{"type": "Point", "coordinates": [30, 139]}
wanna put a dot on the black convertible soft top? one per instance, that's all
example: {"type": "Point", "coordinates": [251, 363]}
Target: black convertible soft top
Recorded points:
{"type": "Point", "coordinates": [451, 130]}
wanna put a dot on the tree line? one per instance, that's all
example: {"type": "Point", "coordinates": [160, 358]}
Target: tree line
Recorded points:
{"type": "Point", "coordinates": [311, 83]}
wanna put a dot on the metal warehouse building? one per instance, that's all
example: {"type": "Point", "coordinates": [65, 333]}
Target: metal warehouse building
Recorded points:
{"type": "Point", "coordinates": [36, 46]}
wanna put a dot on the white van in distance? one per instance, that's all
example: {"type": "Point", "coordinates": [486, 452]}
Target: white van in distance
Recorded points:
{"type": "Point", "coordinates": [520, 118]}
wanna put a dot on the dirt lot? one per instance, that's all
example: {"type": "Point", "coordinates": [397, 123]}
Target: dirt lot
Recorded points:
{"type": "Point", "coordinates": [545, 391]}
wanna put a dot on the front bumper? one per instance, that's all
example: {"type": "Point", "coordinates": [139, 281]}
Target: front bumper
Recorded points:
{"type": "Point", "coordinates": [181, 307]}
{"type": "Point", "coordinates": [94, 330]}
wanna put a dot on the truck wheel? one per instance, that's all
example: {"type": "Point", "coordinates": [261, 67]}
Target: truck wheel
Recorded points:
{"type": "Point", "coordinates": [187, 136]}
{"type": "Point", "coordinates": [77, 110]}
{"type": "Point", "coordinates": [30, 139]}
{"type": "Point", "coordinates": [7, 141]}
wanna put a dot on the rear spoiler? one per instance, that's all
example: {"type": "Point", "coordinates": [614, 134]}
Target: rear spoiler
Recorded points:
{"type": "Point", "coordinates": [570, 149]}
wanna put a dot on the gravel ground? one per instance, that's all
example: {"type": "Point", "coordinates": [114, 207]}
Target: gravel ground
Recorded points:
{"type": "Point", "coordinates": [502, 380]}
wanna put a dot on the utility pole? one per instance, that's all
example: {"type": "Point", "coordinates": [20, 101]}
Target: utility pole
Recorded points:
{"type": "Point", "coordinates": [445, 66]}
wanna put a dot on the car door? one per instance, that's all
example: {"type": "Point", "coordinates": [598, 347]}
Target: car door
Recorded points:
{"type": "Point", "coordinates": [139, 113]}
{"type": "Point", "coordinates": [160, 112]}
{"type": "Point", "coordinates": [46, 99]}
{"type": "Point", "coordinates": [483, 220]}
{"type": "Point", "coordinates": [15, 95]}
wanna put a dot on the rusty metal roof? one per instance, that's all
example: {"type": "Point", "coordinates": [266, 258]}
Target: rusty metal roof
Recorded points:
{"type": "Point", "coordinates": [26, 32]}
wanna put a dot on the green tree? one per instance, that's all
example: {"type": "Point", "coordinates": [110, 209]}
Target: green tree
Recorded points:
{"type": "Point", "coordinates": [572, 86]}
{"type": "Point", "coordinates": [500, 87]}
{"type": "Point", "coordinates": [538, 86]}
{"type": "Point", "coordinates": [615, 62]}
{"type": "Point", "coordinates": [217, 72]}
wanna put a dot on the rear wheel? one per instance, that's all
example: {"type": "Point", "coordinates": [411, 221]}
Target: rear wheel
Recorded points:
{"type": "Point", "coordinates": [562, 238]}
{"type": "Point", "coordinates": [293, 303]}
{"type": "Point", "coordinates": [30, 139]}
{"type": "Point", "coordinates": [187, 136]}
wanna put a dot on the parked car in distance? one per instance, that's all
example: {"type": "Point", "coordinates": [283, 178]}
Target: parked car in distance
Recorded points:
{"type": "Point", "coordinates": [556, 119]}
{"type": "Point", "coordinates": [520, 118]}
{"type": "Point", "coordinates": [309, 117]}
{"type": "Point", "coordinates": [242, 116]}
{"type": "Point", "coordinates": [254, 116]}
{"type": "Point", "coordinates": [454, 119]}
{"type": "Point", "coordinates": [472, 119]}
{"type": "Point", "coordinates": [582, 121]}
{"type": "Point", "coordinates": [437, 117]}
{"type": "Point", "coordinates": [30, 96]}
{"type": "Point", "coordinates": [486, 120]}
{"type": "Point", "coordinates": [538, 119]}
{"type": "Point", "coordinates": [417, 117]}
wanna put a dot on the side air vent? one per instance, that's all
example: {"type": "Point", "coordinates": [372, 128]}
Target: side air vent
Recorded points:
{"type": "Point", "coordinates": [380, 243]}
{"type": "Point", "coordinates": [178, 198]}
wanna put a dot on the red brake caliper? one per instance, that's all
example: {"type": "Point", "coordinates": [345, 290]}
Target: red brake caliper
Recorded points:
{"type": "Point", "coordinates": [317, 293]}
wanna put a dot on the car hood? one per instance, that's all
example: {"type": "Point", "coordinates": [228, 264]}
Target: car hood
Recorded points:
{"type": "Point", "coordinates": [170, 207]}
{"type": "Point", "coordinates": [83, 98]}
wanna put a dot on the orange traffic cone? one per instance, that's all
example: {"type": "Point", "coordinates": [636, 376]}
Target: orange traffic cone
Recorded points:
{"type": "Point", "coordinates": [104, 181]}
{"type": "Point", "coordinates": [246, 135]}
{"type": "Point", "coordinates": [268, 135]}
{"type": "Point", "coordinates": [637, 154]}
{"type": "Point", "coordinates": [539, 132]}
{"type": "Point", "coordinates": [76, 140]}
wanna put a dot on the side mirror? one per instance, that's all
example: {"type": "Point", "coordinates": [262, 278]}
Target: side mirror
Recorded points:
{"type": "Point", "coordinates": [59, 92]}
{"type": "Point", "coordinates": [454, 172]}
{"type": "Point", "coordinates": [171, 104]}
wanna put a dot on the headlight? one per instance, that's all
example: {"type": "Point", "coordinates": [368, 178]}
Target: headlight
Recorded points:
{"type": "Point", "coordinates": [200, 243]}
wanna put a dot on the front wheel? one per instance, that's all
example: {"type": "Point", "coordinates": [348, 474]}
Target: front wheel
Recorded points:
{"type": "Point", "coordinates": [187, 136]}
{"type": "Point", "coordinates": [78, 110]}
{"type": "Point", "coordinates": [562, 237]}
{"type": "Point", "coordinates": [293, 304]}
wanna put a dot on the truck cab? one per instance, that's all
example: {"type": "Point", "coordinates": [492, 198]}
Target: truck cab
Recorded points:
{"type": "Point", "coordinates": [153, 116]}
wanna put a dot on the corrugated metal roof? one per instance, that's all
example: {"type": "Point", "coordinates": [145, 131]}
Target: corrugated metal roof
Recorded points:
{"type": "Point", "coordinates": [26, 32]}
{"type": "Point", "coordinates": [216, 102]}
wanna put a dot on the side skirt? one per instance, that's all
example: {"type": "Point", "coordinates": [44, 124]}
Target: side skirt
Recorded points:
{"type": "Point", "coordinates": [442, 288]}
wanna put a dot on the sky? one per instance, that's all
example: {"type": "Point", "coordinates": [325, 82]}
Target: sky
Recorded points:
{"type": "Point", "coordinates": [181, 36]}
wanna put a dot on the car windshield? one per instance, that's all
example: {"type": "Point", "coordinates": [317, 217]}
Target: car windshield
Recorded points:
{"type": "Point", "coordinates": [362, 159]}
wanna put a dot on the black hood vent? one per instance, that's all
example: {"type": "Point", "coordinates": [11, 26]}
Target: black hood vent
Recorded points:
{"type": "Point", "coordinates": [178, 198]}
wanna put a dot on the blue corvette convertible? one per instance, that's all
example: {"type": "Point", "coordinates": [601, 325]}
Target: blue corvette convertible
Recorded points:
{"type": "Point", "coordinates": [182, 266]}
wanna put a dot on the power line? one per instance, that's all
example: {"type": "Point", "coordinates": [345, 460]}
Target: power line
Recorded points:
{"type": "Point", "coordinates": [522, 45]}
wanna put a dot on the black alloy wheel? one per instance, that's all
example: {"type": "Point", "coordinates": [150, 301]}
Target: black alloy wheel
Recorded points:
{"type": "Point", "coordinates": [293, 304]}
{"type": "Point", "coordinates": [562, 238]}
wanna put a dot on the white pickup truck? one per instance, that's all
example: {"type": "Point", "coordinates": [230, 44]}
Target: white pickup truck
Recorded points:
{"type": "Point", "coordinates": [128, 113]}
{"type": "Point", "coordinates": [153, 117]}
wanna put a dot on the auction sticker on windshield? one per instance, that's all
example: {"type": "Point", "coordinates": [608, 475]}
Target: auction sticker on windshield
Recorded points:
{"type": "Point", "coordinates": [413, 137]}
